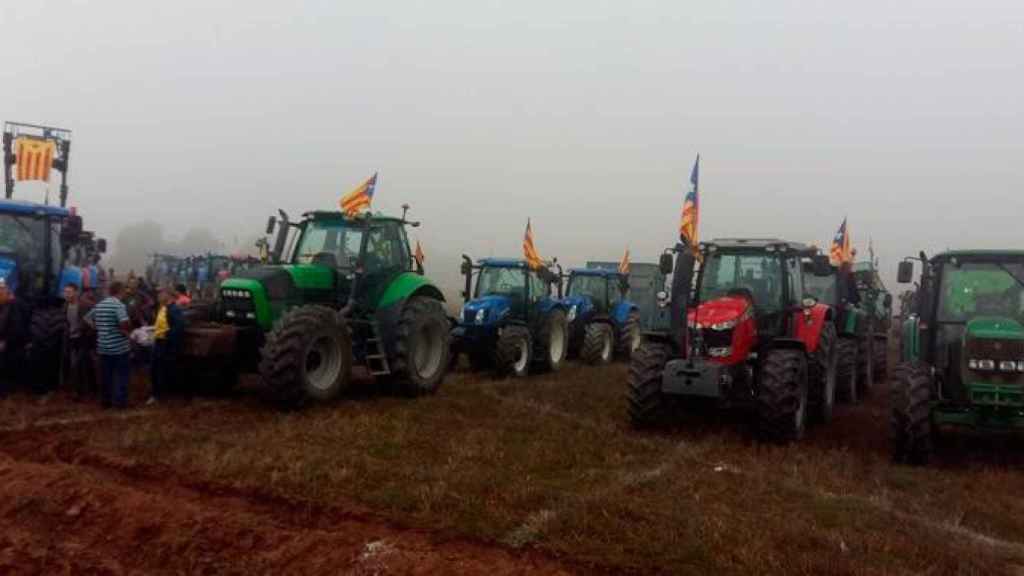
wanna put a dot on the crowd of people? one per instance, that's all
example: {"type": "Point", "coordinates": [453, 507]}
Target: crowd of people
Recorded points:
{"type": "Point", "coordinates": [105, 336]}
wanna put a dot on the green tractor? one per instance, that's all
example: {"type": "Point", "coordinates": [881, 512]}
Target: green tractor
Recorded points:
{"type": "Point", "coordinates": [962, 351]}
{"type": "Point", "coordinates": [349, 292]}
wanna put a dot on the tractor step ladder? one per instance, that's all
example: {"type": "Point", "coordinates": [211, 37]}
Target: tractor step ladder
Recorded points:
{"type": "Point", "coordinates": [376, 357]}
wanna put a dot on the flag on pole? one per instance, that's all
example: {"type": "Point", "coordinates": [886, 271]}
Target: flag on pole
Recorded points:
{"type": "Point", "coordinates": [624, 265]}
{"type": "Point", "coordinates": [841, 252]}
{"type": "Point", "coordinates": [533, 259]}
{"type": "Point", "coordinates": [418, 254]}
{"type": "Point", "coordinates": [691, 209]}
{"type": "Point", "coordinates": [359, 198]}
{"type": "Point", "coordinates": [34, 158]}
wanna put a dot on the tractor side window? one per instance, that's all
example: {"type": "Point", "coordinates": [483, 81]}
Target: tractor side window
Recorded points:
{"type": "Point", "coordinates": [385, 250]}
{"type": "Point", "coordinates": [795, 280]}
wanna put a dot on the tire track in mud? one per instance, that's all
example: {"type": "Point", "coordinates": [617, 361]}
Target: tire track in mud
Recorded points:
{"type": "Point", "coordinates": [71, 510]}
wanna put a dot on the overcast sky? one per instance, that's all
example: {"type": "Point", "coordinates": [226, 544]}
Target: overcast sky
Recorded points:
{"type": "Point", "coordinates": [586, 116]}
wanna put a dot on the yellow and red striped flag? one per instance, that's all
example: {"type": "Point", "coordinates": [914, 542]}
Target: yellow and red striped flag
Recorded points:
{"type": "Point", "coordinates": [418, 254]}
{"type": "Point", "coordinates": [841, 251]}
{"type": "Point", "coordinates": [34, 158]}
{"type": "Point", "coordinates": [359, 198]}
{"type": "Point", "coordinates": [624, 265]}
{"type": "Point", "coordinates": [533, 259]}
{"type": "Point", "coordinates": [691, 210]}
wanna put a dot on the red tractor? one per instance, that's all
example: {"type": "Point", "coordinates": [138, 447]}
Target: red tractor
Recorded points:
{"type": "Point", "coordinates": [745, 334]}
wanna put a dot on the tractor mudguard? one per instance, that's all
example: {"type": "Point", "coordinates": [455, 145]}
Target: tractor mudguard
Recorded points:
{"type": "Point", "coordinates": [808, 327]}
{"type": "Point", "coordinates": [405, 286]}
{"type": "Point", "coordinates": [622, 310]}
{"type": "Point", "coordinates": [910, 347]}
{"type": "Point", "coordinates": [789, 344]}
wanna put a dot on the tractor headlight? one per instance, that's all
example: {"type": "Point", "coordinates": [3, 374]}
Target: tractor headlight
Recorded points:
{"type": "Point", "coordinates": [981, 364]}
{"type": "Point", "coordinates": [972, 364]}
{"type": "Point", "coordinates": [480, 315]}
{"type": "Point", "coordinates": [572, 313]}
{"type": "Point", "coordinates": [1020, 365]}
{"type": "Point", "coordinates": [662, 298]}
{"type": "Point", "coordinates": [1007, 366]}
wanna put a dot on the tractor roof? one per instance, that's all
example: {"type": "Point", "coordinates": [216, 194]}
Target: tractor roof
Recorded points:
{"type": "Point", "coordinates": [603, 272]}
{"type": "Point", "coordinates": [760, 244]}
{"type": "Point", "coordinates": [980, 254]}
{"type": "Point", "coordinates": [336, 215]}
{"type": "Point", "coordinates": [22, 207]}
{"type": "Point", "coordinates": [502, 262]}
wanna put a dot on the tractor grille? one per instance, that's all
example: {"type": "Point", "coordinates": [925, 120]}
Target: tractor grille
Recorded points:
{"type": "Point", "coordinates": [716, 338]}
{"type": "Point", "coordinates": [989, 349]}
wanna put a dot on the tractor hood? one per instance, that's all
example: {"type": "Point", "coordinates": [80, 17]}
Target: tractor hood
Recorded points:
{"type": "Point", "coordinates": [578, 307]}
{"type": "Point", "coordinates": [486, 310]}
{"type": "Point", "coordinates": [994, 328]}
{"type": "Point", "coordinates": [720, 313]}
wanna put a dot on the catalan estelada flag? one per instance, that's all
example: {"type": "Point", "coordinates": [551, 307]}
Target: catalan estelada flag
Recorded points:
{"type": "Point", "coordinates": [624, 265]}
{"type": "Point", "coordinates": [418, 254]}
{"type": "Point", "coordinates": [691, 209]}
{"type": "Point", "coordinates": [34, 158]}
{"type": "Point", "coordinates": [533, 259]}
{"type": "Point", "coordinates": [841, 252]}
{"type": "Point", "coordinates": [359, 198]}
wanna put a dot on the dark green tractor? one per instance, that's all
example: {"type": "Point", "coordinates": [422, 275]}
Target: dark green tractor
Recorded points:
{"type": "Point", "coordinates": [839, 291]}
{"type": "Point", "coordinates": [962, 350]}
{"type": "Point", "coordinates": [348, 292]}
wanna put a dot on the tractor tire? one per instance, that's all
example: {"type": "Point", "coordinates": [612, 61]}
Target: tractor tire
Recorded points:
{"type": "Point", "coordinates": [647, 405]}
{"type": "Point", "coordinates": [821, 375]}
{"type": "Point", "coordinates": [422, 347]}
{"type": "Point", "coordinates": [630, 336]}
{"type": "Point", "coordinates": [910, 427]}
{"type": "Point", "coordinates": [46, 337]}
{"type": "Point", "coordinates": [881, 349]}
{"type": "Point", "coordinates": [513, 352]}
{"type": "Point", "coordinates": [782, 396]}
{"type": "Point", "coordinates": [598, 346]}
{"type": "Point", "coordinates": [307, 356]}
{"type": "Point", "coordinates": [866, 367]}
{"type": "Point", "coordinates": [846, 371]}
{"type": "Point", "coordinates": [552, 342]}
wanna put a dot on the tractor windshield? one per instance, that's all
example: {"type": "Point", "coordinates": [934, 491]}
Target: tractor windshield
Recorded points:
{"type": "Point", "coordinates": [757, 273]}
{"type": "Point", "coordinates": [501, 281]}
{"type": "Point", "coordinates": [330, 243]}
{"type": "Point", "coordinates": [822, 288]}
{"type": "Point", "coordinates": [590, 286]}
{"type": "Point", "coordinates": [23, 244]}
{"type": "Point", "coordinates": [972, 289]}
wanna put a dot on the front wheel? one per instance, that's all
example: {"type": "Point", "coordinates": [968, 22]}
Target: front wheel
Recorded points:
{"type": "Point", "coordinates": [822, 374]}
{"type": "Point", "coordinates": [597, 343]}
{"type": "Point", "coordinates": [910, 427]}
{"type": "Point", "coordinates": [307, 356]}
{"type": "Point", "coordinates": [846, 371]}
{"type": "Point", "coordinates": [782, 396]}
{"type": "Point", "coordinates": [647, 404]}
{"type": "Point", "coordinates": [630, 336]}
{"type": "Point", "coordinates": [513, 352]}
{"type": "Point", "coordinates": [552, 341]}
{"type": "Point", "coordinates": [422, 347]}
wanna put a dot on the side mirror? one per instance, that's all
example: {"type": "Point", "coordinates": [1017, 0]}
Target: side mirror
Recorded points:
{"type": "Point", "coordinates": [271, 222]}
{"type": "Point", "coordinates": [665, 264]}
{"type": "Point", "coordinates": [820, 265]}
{"type": "Point", "coordinates": [905, 272]}
{"type": "Point", "coordinates": [101, 245]}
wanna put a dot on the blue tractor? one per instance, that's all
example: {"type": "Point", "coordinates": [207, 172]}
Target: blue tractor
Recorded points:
{"type": "Point", "coordinates": [603, 321]}
{"type": "Point", "coordinates": [43, 248]}
{"type": "Point", "coordinates": [513, 320]}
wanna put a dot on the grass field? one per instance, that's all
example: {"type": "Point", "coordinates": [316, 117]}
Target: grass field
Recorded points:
{"type": "Point", "coordinates": [547, 470]}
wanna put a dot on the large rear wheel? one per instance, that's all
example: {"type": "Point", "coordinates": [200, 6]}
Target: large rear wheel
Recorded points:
{"type": "Point", "coordinates": [307, 356]}
{"type": "Point", "coordinates": [647, 404]}
{"type": "Point", "coordinates": [422, 347]}
{"type": "Point", "coordinates": [782, 396]}
{"type": "Point", "coordinates": [846, 371]}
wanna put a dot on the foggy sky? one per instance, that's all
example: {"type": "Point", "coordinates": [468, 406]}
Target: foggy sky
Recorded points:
{"type": "Point", "coordinates": [586, 116]}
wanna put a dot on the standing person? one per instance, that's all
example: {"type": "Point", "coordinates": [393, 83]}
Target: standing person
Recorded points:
{"type": "Point", "coordinates": [182, 299]}
{"type": "Point", "coordinates": [78, 344]}
{"type": "Point", "coordinates": [13, 332]}
{"type": "Point", "coordinates": [110, 320]}
{"type": "Point", "coordinates": [167, 335]}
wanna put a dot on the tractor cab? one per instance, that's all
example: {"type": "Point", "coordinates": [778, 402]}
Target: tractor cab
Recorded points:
{"type": "Point", "coordinates": [602, 319]}
{"type": "Point", "coordinates": [594, 290]}
{"type": "Point", "coordinates": [506, 290]}
{"type": "Point", "coordinates": [34, 240]}
{"type": "Point", "coordinates": [962, 349]}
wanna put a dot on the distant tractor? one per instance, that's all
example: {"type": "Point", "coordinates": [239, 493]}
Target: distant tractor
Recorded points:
{"type": "Point", "coordinates": [877, 303]}
{"type": "Point", "coordinates": [839, 290]}
{"type": "Point", "coordinates": [962, 351]}
{"type": "Point", "coordinates": [346, 293]}
{"type": "Point", "coordinates": [511, 321]}
{"type": "Point", "coordinates": [603, 321]}
{"type": "Point", "coordinates": [748, 337]}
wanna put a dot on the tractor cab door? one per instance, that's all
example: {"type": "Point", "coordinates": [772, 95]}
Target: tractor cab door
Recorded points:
{"type": "Point", "coordinates": [385, 255]}
{"type": "Point", "coordinates": [538, 291]}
